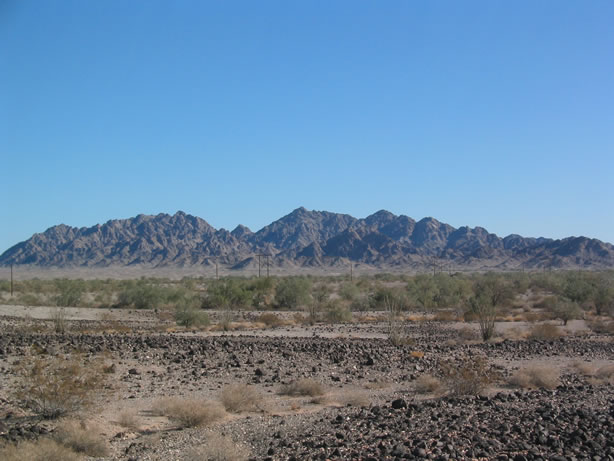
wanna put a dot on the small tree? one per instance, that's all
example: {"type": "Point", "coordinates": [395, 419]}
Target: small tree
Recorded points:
{"type": "Point", "coordinates": [566, 310]}
{"type": "Point", "coordinates": [319, 297]}
{"type": "Point", "coordinates": [489, 292]}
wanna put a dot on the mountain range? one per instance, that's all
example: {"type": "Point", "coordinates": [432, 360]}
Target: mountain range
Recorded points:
{"type": "Point", "coordinates": [303, 238]}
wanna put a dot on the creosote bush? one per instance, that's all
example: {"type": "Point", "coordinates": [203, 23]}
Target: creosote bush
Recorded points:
{"type": "Point", "coordinates": [471, 376]}
{"type": "Point", "coordinates": [238, 398]}
{"type": "Point", "coordinates": [55, 386]}
{"type": "Point", "coordinates": [302, 387]}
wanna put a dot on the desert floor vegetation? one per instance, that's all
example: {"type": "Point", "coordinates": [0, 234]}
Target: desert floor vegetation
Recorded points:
{"type": "Point", "coordinates": [535, 376]}
{"type": "Point", "coordinates": [306, 367]}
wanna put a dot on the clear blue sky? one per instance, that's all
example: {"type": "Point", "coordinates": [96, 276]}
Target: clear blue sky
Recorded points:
{"type": "Point", "coordinates": [498, 114]}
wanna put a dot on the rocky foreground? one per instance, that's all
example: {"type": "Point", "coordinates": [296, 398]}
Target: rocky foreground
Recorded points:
{"type": "Point", "coordinates": [390, 420]}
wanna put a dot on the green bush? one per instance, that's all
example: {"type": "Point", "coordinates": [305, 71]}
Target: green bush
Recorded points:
{"type": "Point", "coordinates": [226, 294]}
{"type": "Point", "coordinates": [337, 313]}
{"type": "Point", "coordinates": [293, 292]}
{"type": "Point", "coordinates": [141, 295]}
{"type": "Point", "coordinates": [188, 315]}
{"type": "Point", "coordinates": [69, 292]}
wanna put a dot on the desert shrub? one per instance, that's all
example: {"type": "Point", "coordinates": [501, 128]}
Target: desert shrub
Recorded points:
{"type": "Point", "coordinates": [469, 377]}
{"type": "Point", "coordinates": [141, 295]}
{"type": "Point", "coordinates": [189, 412]}
{"type": "Point", "coordinates": [29, 299]}
{"type": "Point", "coordinates": [188, 315]}
{"type": "Point", "coordinates": [603, 294]}
{"type": "Point", "coordinates": [219, 448]}
{"type": "Point", "coordinates": [238, 398]}
{"type": "Point", "coordinates": [226, 294]}
{"type": "Point", "coordinates": [69, 292]}
{"type": "Point", "coordinates": [80, 438]}
{"type": "Point", "coordinates": [43, 449]}
{"type": "Point", "coordinates": [262, 290]}
{"type": "Point", "coordinates": [292, 292]}
{"type": "Point", "coordinates": [302, 387]}
{"type": "Point", "coordinates": [427, 384]}
{"type": "Point", "coordinates": [337, 313]}
{"type": "Point", "coordinates": [566, 310]}
{"type": "Point", "coordinates": [52, 387]}
{"type": "Point", "coordinates": [349, 291]}
{"type": "Point", "coordinates": [270, 320]}
{"type": "Point", "coordinates": [59, 321]}
{"type": "Point", "coordinates": [545, 331]}
{"type": "Point", "coordinates": [489, 292]}
{"type": "Point", "coordinates": [548, 303]}
{"type": "Point", "coordinates": [535, 377]}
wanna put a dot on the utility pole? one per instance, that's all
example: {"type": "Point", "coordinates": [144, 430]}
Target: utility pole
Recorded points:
{"type": "Point", "coordinates": [11, 280]}
{"type": "Point", "coordinates": [259, 265]}
{"type": "Point", "coordinates": [267, 266]}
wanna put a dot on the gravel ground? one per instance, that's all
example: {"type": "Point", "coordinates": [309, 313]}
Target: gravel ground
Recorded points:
{"type": "Point", "coordinates": [371, 409]}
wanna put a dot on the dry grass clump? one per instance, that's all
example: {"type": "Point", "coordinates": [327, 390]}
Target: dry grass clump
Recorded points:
{"type": "Point", "coordinates": [469, 377]}
{"type": "Point", "coordinates": [270, 320]}
{"type": "Point", "coordinates": [515, 333]}
{"type": "Point", "coordinates": [238, 398]}
{"type": "Point", "coordinates": [601, 327]}
{"type": "Point", "coordinates": [427, 384]}
{"type": "Point", "coordinates": [81, 438]}
{"type": "Point", "coordinates": [584, 368]}
{"type": "Point", "coordinates": [355, 398]}
{"type": "Point", "coordinates": [303, 387]}
{"type": "Point", "coordinates": [535, 377]}
{"type": "Point", "coordinates": [545, 331]}
{"type": "Point", "coordinates": [445, 316]}
{"type": "Point", "coordinates": [128, 420]}
{"type": "Point", "coordinates": [467, 334]}
{"type": "Point", "coordinates": [43, 449]}
{"type": "Point", "coordinates": [605, 373]}
{"type": "Point", "coordinates": [219, 448]}
{"type": "Point", "coordinates": [190, 412]}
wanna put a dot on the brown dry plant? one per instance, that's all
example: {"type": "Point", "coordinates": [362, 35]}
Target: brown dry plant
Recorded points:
{"type": "Point", "coordinates": [81, 438]}
{"type": "Point", "coordinates": [43, 449]}
{"type": "Point", "coordinates": [302, 387]}
{"type": "Point", "coordinates": [239, 398]}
